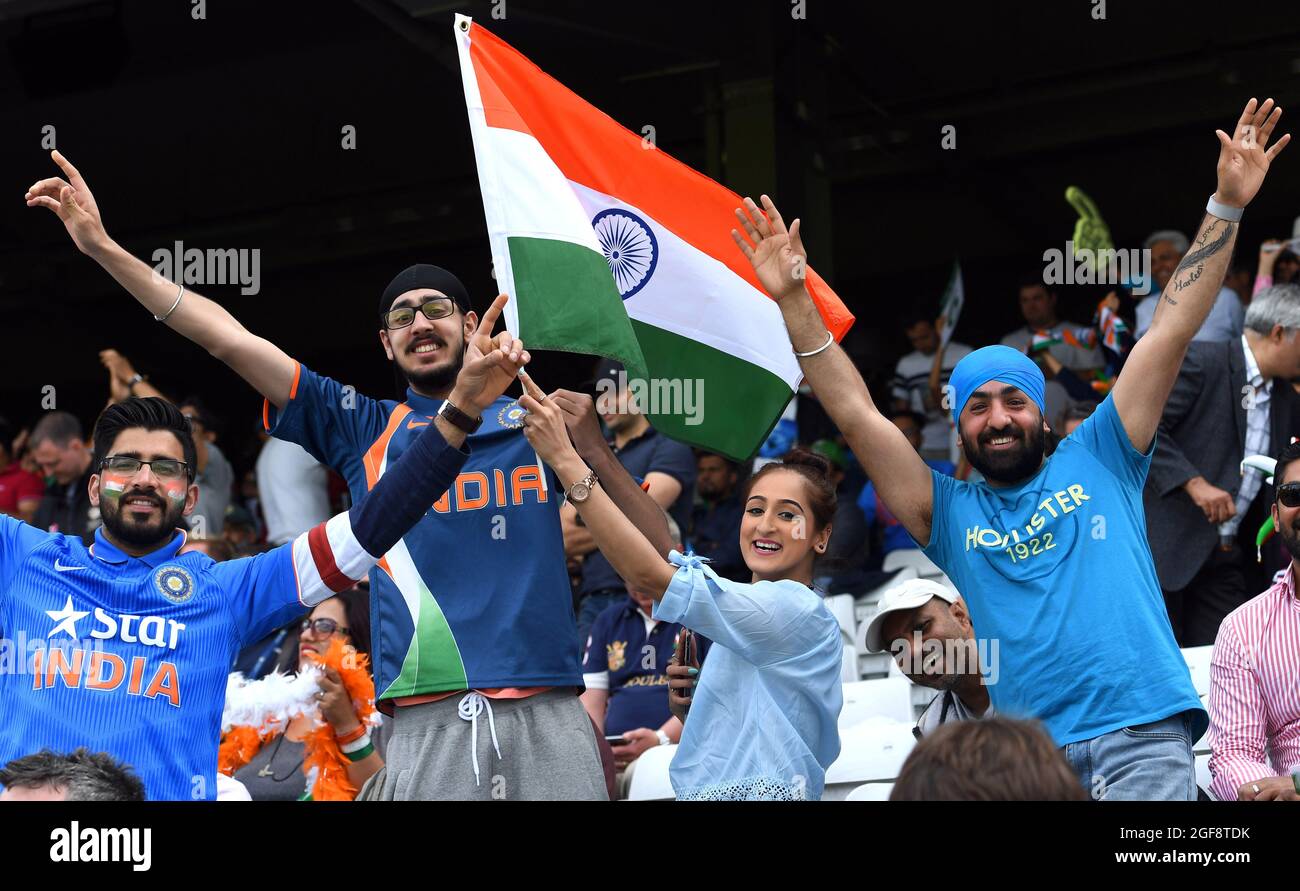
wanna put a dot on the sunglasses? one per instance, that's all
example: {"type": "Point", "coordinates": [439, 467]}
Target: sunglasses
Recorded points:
{"type": "Point", "coordinates": [163, 468]}
{"type": "Point", "coordinates": [434, 309]}
{"type": "Point", "coordinates": [1288, 495]}
{"type": "Point", "coordinates": [323, 627]}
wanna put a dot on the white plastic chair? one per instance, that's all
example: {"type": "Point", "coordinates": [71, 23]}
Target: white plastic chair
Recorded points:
{"type": "Point", "coordinates": [1203, 775]}
{"type": "Point", "coordinates": [870, 792]}
{"type": "Point", "coordinates": [1198, 663]}
{"type": "Point", "coordinates": [913, 558]}
{"type": "Point", "coordinates": [650, 779]}
{"type": "Point", "coordinates": [871, 751]}
{"type": "Point", "coordinates": [888, 697]}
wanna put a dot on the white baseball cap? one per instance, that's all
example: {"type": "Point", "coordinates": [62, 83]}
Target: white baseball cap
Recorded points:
{"type": "Point", "coordinates": [909, 595]}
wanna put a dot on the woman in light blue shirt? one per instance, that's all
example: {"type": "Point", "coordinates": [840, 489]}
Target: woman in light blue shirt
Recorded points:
{"type": "Point", "coordinates": [763, 717]}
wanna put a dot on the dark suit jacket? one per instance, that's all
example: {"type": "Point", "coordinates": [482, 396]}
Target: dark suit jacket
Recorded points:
{"type": "Point", "coordinates": [1203, 433]}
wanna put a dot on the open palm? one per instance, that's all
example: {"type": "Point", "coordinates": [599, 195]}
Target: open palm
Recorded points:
{"type": "Point", "coordinates": [777, 254]}
{"type": "Point", "coordinates": [1244, 157]}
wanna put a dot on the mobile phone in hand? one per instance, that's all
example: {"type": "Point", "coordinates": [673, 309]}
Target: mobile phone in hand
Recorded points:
{"type": "Point", "coordinates": [689, 658]}
{"type": "Point", "coordinates": [616, 740]}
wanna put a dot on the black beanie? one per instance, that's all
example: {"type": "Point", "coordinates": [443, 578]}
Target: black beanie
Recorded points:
{"type": "Point", "coordinates": [424, 275]}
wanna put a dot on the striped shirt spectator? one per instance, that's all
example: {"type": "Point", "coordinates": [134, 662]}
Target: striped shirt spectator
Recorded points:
{"type": "Point", "coordinates": [1254, 698]}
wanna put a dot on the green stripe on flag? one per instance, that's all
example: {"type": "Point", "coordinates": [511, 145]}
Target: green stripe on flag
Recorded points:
{"type": "Point", "coordinates": [740, 403]}
{"type": "Point", "coordinates": [567, 301]}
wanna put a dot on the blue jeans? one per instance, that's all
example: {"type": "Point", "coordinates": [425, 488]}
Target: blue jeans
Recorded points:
{"type": "Point", "coordinates": [1145, 762]}
{"type": "Point", "coordinates": [593, 605]}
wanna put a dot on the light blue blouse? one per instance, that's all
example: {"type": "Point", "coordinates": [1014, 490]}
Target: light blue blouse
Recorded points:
{"type": "Point", "coordinates": [763, 721]}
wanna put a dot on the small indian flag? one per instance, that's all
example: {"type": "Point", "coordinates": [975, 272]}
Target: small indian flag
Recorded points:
{"type": "Point", "coordinates": [113, 487]}
{"type": "Point", "coordinates": [610, 247]}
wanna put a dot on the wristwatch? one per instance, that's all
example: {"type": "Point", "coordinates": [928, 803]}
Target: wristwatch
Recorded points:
{"type": "Point", "coordinates": [663, 738]}
{"type": "Point", "coordinates": [581, 490]}
{"type": "Point", "coordinates": [135, 379]}
{"type": "Point", "coordinates": [459, 419]}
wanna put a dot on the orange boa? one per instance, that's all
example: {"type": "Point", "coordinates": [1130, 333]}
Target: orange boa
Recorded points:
{"type": "Point", "coordinates": [241, 744]}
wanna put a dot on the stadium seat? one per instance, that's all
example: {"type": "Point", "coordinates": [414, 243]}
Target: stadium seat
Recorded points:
{"type": "Point", "coordinates": [870, 792]}
{"type": "Point", "coordinates": [871, 751]}
{"type": "Point", "coordinates": [1203, 775]}
{"type": "Point", "coordinates": [1198, 663]}
{"type": "Point", "coordinates": [650, 779]}
{"type": "Point", "coordinates": [913, 558]}
{"type": "Point", "coordinates": [888, 697]}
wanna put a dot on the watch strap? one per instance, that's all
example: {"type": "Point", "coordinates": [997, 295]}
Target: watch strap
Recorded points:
{"type": "Point", "coordinates": [459, 419]}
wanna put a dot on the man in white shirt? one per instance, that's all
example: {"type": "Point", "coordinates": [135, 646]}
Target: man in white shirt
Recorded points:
{"type": "Point", "coordinates": [910, 388]}
{"type": "Point", "coordinates": [293, 488]}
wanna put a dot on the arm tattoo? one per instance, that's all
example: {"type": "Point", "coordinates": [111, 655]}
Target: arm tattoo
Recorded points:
{"type": "Point", "coordinates": [1194, 262]}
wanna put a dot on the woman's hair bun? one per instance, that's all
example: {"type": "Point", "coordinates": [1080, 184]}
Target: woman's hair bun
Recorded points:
{"type": "Point", "coordinates": [810, 459]}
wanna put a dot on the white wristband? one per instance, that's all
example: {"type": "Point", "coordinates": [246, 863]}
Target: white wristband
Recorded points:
{"type": "Point", "coordinates": [663, 738]}
{"type": "Point", "coordinates": [1223, 211]}
{"type": "Point", "coordinates": [356, 745]}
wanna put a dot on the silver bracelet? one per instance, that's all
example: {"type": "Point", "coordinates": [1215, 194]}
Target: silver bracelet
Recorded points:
{"type": "Point", "coordinates": [168, 315]}
{"type": "Point", "coordinates": [1223, 211]}
{"type": "Point", "coordinates": [830, 339]}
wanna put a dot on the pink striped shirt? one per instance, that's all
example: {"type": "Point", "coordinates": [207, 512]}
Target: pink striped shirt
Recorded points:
{"type": "Point", "coordinates": [1255, 691]}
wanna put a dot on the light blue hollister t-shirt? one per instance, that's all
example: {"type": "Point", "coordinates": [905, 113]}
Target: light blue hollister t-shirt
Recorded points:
{"type": "Point", "coordinates": [1058, 572]}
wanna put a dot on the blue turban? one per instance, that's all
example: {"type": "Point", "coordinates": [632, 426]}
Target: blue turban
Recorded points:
{"type": "Point", "coordinates": [995, 363]}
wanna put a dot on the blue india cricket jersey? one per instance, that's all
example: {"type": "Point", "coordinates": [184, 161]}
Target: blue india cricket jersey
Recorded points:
{"type": "Point", "coordinates": [130, 655]}
{"type": "Point", "coordinates": [476, 595]}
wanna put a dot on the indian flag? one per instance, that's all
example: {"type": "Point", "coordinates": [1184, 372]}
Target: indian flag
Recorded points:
{"type": "Point", "coordinates": [610, 247]}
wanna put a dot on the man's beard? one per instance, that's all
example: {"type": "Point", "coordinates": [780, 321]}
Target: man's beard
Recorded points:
{"type": "Point", "coordinates": [138, 534]}
{"type": "Point", "coordinates": [1008, 466]}
{"type": "Point", "coordinates": [1290, 540]}
{"type": "Point", "coordinates": [437, 379]}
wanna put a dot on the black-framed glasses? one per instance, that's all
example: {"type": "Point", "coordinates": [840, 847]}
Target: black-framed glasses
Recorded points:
{"type": "Point", "coordinates": [163, 468]}
{"type": "Point", "coordinates": [434, 308]}
{"type": "Point", "coordinates": [1288, 494]}
{"type": "Point", "coordinates": [323, 627]}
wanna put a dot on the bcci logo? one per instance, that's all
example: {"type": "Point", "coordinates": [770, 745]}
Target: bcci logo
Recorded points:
{"type": "Point", "coordinates": [511, 416]}
{"type": "Point", "coordinates": [629, 246]}
{"type": "Point", "coordinates": [174, 583]}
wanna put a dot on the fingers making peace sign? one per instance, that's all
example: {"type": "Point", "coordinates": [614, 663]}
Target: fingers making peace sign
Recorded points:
{"type": "Point", "coordinates": [491, 364]}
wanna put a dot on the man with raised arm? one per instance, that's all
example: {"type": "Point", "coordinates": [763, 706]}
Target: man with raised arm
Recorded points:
{"type": "Point", "coordinates": [1051, 554]}
{"type": "Point", "coordinates": [475, 650]}
{"type": "Point", "coordinates": [130, 639]}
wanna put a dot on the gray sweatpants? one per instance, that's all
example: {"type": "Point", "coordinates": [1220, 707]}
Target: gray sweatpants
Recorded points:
{"type": "Point", "coordinates": [547, 751]}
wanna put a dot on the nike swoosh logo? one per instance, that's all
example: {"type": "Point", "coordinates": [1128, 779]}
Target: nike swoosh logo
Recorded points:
{"type": "Point", "coordinates": [411, 425]}
{"type": "Point", "coordinates": [59, 567]}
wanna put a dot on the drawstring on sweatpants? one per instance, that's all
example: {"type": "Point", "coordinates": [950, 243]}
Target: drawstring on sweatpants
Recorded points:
{"type": "Point", "coordinates": [471, 706]}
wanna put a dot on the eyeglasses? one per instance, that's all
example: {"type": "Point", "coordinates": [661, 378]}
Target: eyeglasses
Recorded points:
{"type": "Point", "coordinates": [323, 627]}
{"type": "Point", "coordinates": [163, 468]}
{"type": "Point", "coordinates": [1288, 495]}
{"type": "Point", "coordinates": [434, 309]}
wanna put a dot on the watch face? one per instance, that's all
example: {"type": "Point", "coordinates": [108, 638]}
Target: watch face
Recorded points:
{"type": "Point", "coordinates": [579, 492]}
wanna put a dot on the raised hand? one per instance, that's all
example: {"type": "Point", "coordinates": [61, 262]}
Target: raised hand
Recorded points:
{"type": "Point", "coordinates": [72, 202]}
{"type": "Point", "coordinates": [580, 417]}
{"type": "Point", "coordinates": [1244, 157]}
{"type": "Point", "coordinates": [545, 427]}
{"type": "Point", "coordinates": [777, 254]}
{"type": "Point", "coordinates": [491, 365]}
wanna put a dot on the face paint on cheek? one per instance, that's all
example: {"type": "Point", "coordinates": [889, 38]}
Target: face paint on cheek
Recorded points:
{"type": "Point", "coordinates": [175, 492]}
{"type": "Point", "coordinates": [111, 486]}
